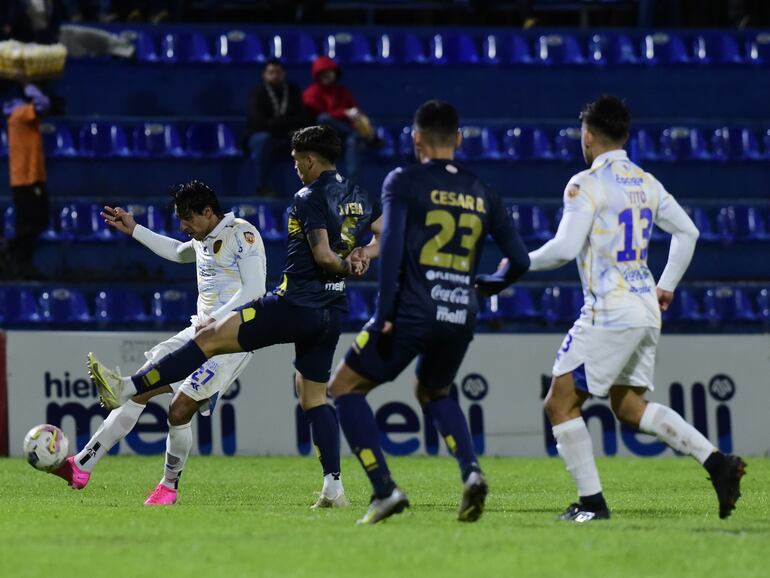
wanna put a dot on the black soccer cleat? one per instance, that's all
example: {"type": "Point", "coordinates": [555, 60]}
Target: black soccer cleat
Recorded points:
{"type": "Point", "coordinates": [727, 483]}
{"type": "Point", "coordinates": [475, 492]}
{"type": "Point", "coordinates": [580, 515]}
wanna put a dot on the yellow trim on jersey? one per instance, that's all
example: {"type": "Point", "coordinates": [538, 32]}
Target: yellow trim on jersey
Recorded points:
{"type": "Point", "coordinates": [281, 289]}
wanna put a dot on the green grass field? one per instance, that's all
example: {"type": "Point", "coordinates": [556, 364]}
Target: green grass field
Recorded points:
{"type": "Point", "coordinates": [250, 517]}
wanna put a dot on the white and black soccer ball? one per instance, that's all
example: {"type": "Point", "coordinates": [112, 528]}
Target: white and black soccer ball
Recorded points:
{"type": "Point", "coordinates": [46, 447]}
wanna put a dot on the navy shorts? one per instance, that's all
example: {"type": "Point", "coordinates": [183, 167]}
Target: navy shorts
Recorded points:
{"type": "Point", "coordinates": [438, 347]}
{"type": "Point", "coordinates": [314, 332]}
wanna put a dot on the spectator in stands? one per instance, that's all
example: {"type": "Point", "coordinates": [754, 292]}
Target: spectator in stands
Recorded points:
{"type": "Point", "coordinates": [28, 179]}
{"type": "Point", "coordinates": [275, 112]}
{"type": "Point", "coordinates": [333, 104]}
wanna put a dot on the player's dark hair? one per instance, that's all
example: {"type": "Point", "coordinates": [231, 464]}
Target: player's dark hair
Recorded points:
{"type": "Point", "coordinates": [608, 115]}
{"type": "Point", "coordinates": [322, 140]}
{"type": "Point", "coordinates": [193, 198]}
{"type": "Point", "coordinates": [273, 62]}
{"type": "Point", "coordinates": [437, 119]}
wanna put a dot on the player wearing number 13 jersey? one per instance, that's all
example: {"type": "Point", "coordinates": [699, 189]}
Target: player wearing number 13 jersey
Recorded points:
{"type": "Point", "coordinates": [436, 218]}
{"type": "Point", "coordinates": [609, 213]}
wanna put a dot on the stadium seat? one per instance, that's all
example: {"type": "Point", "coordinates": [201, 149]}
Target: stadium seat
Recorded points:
{"type": "Point", "coordinates": [185, 47]}
{"type": "Point", "coordinates": [405, 144]}
{"type": "Point", "coordinates": [506, 49]}
{"type": "Point", "coordinates": [239, 47]}
{"type": "Point", "coordinates": [479, 143]}
{"type": "Point", "coordinates": [531, 221]}
{"type": "Point", "coordinates": [9, 222]}
{"type": "Point", "coordinates": [728, 304]}
{"type": "Point", "coordinates": [612, 49]}
{"type": "Point", "coordinates": [453, 48]}
{"type": "Point", "coordinates": [174, 229]}
{"type": "Point", "coordinates": [150, 216]}
{"type": "Point", "coordinates": [758, 48]}
{"type": "Point", "coordinates": [703, 222]}
{"type": "Point", "coordinates": [57, 140]}
{"type": "Point", "coordinates": [157, 140]}
{"type": "Point", "coordinates": [3, 143]}
{"type": "Point", "coordinates": [527, 143]}
{"type": "Point", "coordinates": [730, 144]}
{"type": "Point", "coordinates": [293, 47]}
{"type": "Point", "coordinates": [18, 305]}
{"type": "Point", "coordinates": [63, 306]}
{"type": "Point", "coordinates": [561, 304]}
{"type": "Point", "coordinates": [512, 304]}
{"type": "Point", "coordinates": [119, 306]}
{"type": "Point", "coordinates": [716, 48]}
{"type": "Point", "coordinates": [567, 144]}
{"type": "Point", "coordinates": [103, 140]}
{"type": "Point", "coordinates": [400, 48]}
{"type": "Point", "coordinates": [643, 145]}
{"type": "Point", "coordinates": [146, 49]}
{"type": "Point", "coordinates": [684, 307]}
{"type": "Point", "coordinates": [359, 307]}
{"type": "Point", "coordinates": [388, 148]}
{"type": "Point", "coordinates": [211, 140]}
{"type": "Point", "coordinates": [82, 222]}
{"type": "Point", "coordinates": [171, 306]}
{"type": "Point", "coordinates": [348, 47]}
{"type": "Point", "coordinates": [558, 50]}
{"type": "Point", "coordinates": [682, 143]}
{"type": "Point", "coordinates": [742, 223]}
{"type": "Point", "coordinates": [763, 306]}
{"type": "Point", "coordinates": [663, 48]}
{"type": "Point", "coordinates": [262, 217]}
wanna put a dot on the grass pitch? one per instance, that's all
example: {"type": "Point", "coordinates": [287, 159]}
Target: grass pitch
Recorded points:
{"type": "Point", "coordinates": [250, 517]}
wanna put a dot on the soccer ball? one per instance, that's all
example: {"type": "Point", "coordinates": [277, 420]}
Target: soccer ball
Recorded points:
{"type": "Point", "coordinates": [46, 447]}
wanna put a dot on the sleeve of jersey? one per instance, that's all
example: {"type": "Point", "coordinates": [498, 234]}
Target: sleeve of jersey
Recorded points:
{"type": "Point", "coordinates": [165, 247]}
{"type": "Point", "coordinates": [247, 249]}
{"type": "Point", "coordinates": [310, 213]}
{"type": "Point", "coordinates": [394, 212]}
{"type": "Point", "coordinates": [673, 219]}
{"type": "Point", "coordinates": [574, 228]}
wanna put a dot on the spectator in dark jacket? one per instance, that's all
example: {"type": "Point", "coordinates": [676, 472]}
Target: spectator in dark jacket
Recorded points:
{"type": "Point", "coordinates": [275, 112]}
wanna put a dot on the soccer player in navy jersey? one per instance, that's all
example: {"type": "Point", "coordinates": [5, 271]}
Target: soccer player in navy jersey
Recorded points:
{"type": "Point", "coordinates": [329, 219]}
{"type": "Point", "coordinates": [436, 219]}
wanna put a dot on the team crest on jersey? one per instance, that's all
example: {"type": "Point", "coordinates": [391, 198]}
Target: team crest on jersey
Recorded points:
{"type": "Point", "coordinates": [249, 236]}
{"type": "Point", "coordinates": [217, 246]}
{"type": "Point", "coordinates": [573, 191]}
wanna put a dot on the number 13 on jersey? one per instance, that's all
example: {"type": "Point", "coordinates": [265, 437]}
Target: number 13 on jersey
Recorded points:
{"type": "Point", "coordinates": [626, 219]}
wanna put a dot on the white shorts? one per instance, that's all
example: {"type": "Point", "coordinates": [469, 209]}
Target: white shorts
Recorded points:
{"type": "Point", "coordinates": [600, 358]}
{"type": "Point", "coordinates": [212, 379]}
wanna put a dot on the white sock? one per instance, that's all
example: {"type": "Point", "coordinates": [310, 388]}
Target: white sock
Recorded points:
{"type": "Point", "coordinates": [129, 389]}
{"type": "Point", "coordinates": [573, 443]}
{"type": "Point", "coordinates": [114, 428]}
{"type": "Point", "coordinates": [669, 427]}
{"type": "Point", "coordinates": [178, 445]}
{"type": "Point", "coordinates": [332, 486]}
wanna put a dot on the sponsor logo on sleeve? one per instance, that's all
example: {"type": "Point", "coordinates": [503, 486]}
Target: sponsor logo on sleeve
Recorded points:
{"type": "Point", "coordinates": [217, 246]}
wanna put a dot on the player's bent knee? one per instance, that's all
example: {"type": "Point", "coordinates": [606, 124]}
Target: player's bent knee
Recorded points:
{"type": "Point", "coordinates": [425, 395]}
{"type": "Point", "coordinates": [182, 410]}
{"type": "Point", "coordinates": [346, 381]}
{"type": "Point", "coordinates": [311, 393]}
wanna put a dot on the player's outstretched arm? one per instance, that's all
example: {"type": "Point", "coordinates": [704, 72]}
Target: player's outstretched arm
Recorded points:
{"type": "Point", "coordinates": [166, 247]}
{"type": "Point", "coordinates": [252, 268]}
{"type": "Point", "coordinates": [672, 218]}
{"type": "Point", "coordinates": [566, 244]}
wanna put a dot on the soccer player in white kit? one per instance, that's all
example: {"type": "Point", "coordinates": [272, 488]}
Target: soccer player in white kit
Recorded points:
{"type": "Point", "coordinates": [609, 212]}
{"type": "Point", "coordinates": [231, 268]}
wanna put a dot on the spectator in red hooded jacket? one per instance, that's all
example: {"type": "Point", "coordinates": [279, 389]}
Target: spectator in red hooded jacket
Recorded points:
{"type": "Point", "coordinates": [334, 105]}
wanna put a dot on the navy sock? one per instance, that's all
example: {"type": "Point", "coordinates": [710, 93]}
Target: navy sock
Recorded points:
{"type": "Point", "coordinates": [326, 437]}
{"type": "Point", "coordinates": [450, 422]}
{"type": "Point", "coordinates": [174, 367]}
{"type": "Point", "coordinates": [360, 429]}
{"type": "Point", "coordinates": [593, 503]}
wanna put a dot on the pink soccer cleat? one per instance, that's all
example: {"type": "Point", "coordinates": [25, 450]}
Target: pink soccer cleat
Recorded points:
{"type": "Point", "coordinates": [75, 477]}
{"type": "Point", "coordinates": [161, 496]}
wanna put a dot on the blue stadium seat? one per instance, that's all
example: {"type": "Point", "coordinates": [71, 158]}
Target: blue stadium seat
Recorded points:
{"type": "Point", "coordinates": [293, 47]}
{"type": "Point", "coordinates": [716, 48]}
{"type": "Point", "coordinates": [359, 307]}
{"type": "Point", "coordinates": [703, 222]}
{"type": "Point", "coordinates": [561, 304]}
{"type": "Point", "coordinates": [348, 47]}
{"type": "Point", "coordinates": [262, 217]}
{"type": "Point", "coordinates": [18, 305]}
{"type": "Point", "coordinates": [157, 140]}
{"type": "Point", "coordinates": [82, 221]}
{"type": "Point", "coordinates": [527, 143]}
{"type": "Point", "coordinates": [559, 50]}
{"type": "Point", "coordinates": [663, 48]}
{"type": "Point", "coordinates": [567, 144]}
{"type": "Point", "coordinates": [479, 143]}
{"type": "Point", "coordinates": [388, 148]}
{"type": "Point", "coordinates": [684, 307]}
{"type": "Point", "coordinates": [728, 304]}
{"type": "Point", "coordinates": [683, 143]}
{"type": "Point", "coordinates": [763, 306]}
{"type": "Point", "coordinates": [400, 48]}
{"type": "Point", "coordinates": [740, 144]}
{"type": "Point", "coordinates": [453, 48]}
{"type": "Point", "coordinates": [758, 48]}
{"type": "Point", "coordinates": [103, 140]}
{"type": "Point", "coordinates": [63, 306]}
{"type": "Point", "coordinates": [57, 140]}
{"type": "Point", "coordinates": [174, 229]}
{"type": "Point", "coordinates": [239, 47]}
{"type": "Point", "coordinates": [146, 48]}
{"type": "Point", "coordinates": [512, 304]}
{"type": "Point", "coordinates": [643, 145]}
{"type": "Point", "coordinates": [119, 306]}
{"type": "Point", "coordinates": [405, 144]}
{"type": "Point", "coordinates": [171, 306]}
{"type": "Point", "coordinates": [531, 221]}
{"type": "Point", "coordinates": [611, 49]}
{"type": "Point", "coordinates": [3, 143]}
{"type": "Point", "coordinates": [150, 216]}
{"type": "Point", "coordinates": [185, 47]}
{"type": "Point", "coordinates": [9, 222]}
{"type": "Point", "coordinates": [742, 223]}
{"type": "Point", "coordinates": [211, 140]}
{"type": "Point", "coordinates": [506, 49]}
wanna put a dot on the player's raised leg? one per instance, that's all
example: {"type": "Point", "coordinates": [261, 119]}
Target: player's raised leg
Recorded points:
{"type": "Point", "coordinates": [573, 442]}
{"type": "Point", "coordinates": [668, 426]}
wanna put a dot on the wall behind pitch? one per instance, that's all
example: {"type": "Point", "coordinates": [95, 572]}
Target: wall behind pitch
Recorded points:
{"type": "Point", "coordinates": [719, 383]}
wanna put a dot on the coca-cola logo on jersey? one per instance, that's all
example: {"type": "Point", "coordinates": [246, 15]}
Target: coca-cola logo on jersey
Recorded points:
{"type": "Point", "coordinates": [456, 295]}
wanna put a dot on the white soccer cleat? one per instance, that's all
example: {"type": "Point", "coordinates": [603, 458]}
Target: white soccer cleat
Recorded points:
{"type": "Point", "coordinates": [326, 500]}
{"type": "Point", "coordinates": [109, 383]}
{"type": "Point", "coordinates": [382, 508]}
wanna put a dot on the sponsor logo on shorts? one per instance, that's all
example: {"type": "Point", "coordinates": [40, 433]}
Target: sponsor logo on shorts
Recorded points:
{"type": "Point", "coordinates": [432, 275]}
{"type": "Point", "coordinates": [455, 295]}
{"type": "Point", "coordinates": [459, 316]}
